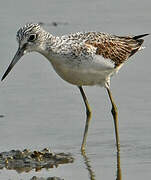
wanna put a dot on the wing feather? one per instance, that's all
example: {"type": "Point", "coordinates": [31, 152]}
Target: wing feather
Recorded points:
{"type": "Point", "coordinates": [116, 48]}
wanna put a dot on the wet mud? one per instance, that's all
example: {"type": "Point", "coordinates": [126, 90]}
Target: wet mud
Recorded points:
{"type": "Point", "coordinates": [49, 178]}
{"type": "Point", "coordinates": [26, 160]}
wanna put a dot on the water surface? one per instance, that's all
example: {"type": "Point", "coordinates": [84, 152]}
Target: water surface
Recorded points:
{"type": "Point", "coordinates": [41, 110]}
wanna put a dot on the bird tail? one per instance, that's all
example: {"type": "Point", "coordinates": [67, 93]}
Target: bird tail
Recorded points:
{"type": "Point", "coordinates": [139, 43]}
{"type": "Point", "coordinates": [138, 38]}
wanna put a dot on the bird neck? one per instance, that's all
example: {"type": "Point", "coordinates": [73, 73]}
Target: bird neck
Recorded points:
{"type": "Point", "coordinates": [50, 46]}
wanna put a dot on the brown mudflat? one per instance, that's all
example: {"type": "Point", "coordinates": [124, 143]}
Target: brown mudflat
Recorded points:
{"type": "Point", "coordinates": [26, 160]}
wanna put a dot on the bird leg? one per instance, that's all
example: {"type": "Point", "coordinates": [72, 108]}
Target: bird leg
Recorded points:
{"type": "Point", "coordinates": [88, 118]}
{"type": "Point", "coordinates": [115, 117]}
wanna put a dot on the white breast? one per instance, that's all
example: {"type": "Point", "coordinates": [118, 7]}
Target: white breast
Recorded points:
{"type": "Point", "coordinates": [94, 72]}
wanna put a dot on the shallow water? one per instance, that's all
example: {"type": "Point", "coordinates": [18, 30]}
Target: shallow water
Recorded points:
{"type": "Point", "coordinates": [41, 110]}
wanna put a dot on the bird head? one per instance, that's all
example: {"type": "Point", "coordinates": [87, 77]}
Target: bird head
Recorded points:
{"type": "Point", "coordinates": [30, 38]}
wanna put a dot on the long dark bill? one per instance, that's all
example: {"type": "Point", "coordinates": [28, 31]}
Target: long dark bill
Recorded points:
{"type": "Point", "coordinates": [18, 55]}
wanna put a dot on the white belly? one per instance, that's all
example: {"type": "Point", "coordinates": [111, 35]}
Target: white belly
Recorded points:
{"type": "Point", "coordinates": [83, 74]}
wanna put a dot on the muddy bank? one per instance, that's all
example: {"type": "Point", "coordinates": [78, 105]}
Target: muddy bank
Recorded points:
{"type": "Point", "coordinates": [26, 160]}
{"type": "Point", "coordinates": [49, 178]}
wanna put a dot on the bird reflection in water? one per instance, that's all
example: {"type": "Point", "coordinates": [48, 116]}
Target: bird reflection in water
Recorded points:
{"type": "Point", "coordinates": [90, 169]}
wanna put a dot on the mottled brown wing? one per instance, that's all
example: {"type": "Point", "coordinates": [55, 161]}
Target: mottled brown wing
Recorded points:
{"type": "Point", "coordinates": [117, 48]}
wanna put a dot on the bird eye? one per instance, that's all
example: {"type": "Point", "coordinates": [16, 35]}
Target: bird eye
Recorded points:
{"type": "Point", "coordinates": [32, 37]}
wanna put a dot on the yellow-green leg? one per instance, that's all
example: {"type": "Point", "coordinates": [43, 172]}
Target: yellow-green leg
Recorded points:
{"type": "Point", "coordinates": [119, 171]}
{"type": "Point", "coordinates": [88, 118]}
{"type": "Point", "coordinates": [115, 117]}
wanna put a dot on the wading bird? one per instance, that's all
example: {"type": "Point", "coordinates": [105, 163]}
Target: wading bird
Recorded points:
{"type": "Point", "coordinates": [82, 59]}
